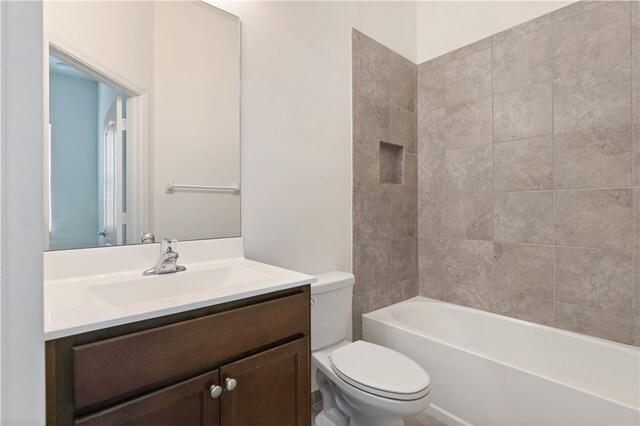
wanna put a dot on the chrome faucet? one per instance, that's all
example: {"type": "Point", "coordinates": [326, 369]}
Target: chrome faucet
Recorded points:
{"type": "Point", "coordinates": [168, 262]}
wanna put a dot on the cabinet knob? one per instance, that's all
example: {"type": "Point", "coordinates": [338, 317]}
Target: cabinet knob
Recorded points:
{"type": "Point", "coordinates": [230, 384]}
{"type": "Point", "coordinates": [215, 391]}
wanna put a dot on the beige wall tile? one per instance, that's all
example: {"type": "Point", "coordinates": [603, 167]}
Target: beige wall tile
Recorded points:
{"type": "Point", "coordinates": [588, 40]}
{"type": "Point", "coordinates": [636, 155]}
{"type": "Point", "coordinates": [432, 254]}
{"type": "Point", "coordinates": [450, 160]}
{"type": "Point", "coordinates": [404, 216]}
{"type": "Point", "coordinates": [431, 215]}
{"type": "Point", "coordinates": [371, 72]}
{"type": "Point", "coordinates": [636, 218]}
{"type": "Point", "coordinates": [403, 129]}
{"type": "Point", "coordinates": [576, 8]}
{"type": "Point", "coordinates": [371, 215]}
{"type": "Point", "coordinates": [470, 263]}
{"type": "Point", "coordinates": [522, 29]}
{"type": "Point", "coordinates": [431, 172]}
{"type": "Point", "coordinates": [594, 158]}
{"type": "Point", "coordinates": [468, 78]}
{"type": "Point", "coordinates": [431, 131]}
{"type": "Point", "coordinates": [523, 217]}
{"type": "Point", "coordinates": [601, 279]}
{"type": "Point", "coordinates": [525, 270]}
{"type": "Point", "coordinates": [371, 265]}
{"type": "Point", "coordinates": [522, 165]}
{"type": "Point", "coordinates": [403, 259]}
{"type": "Point", "coordinates": [636, 298]}
{"type": "Point", "coordinates": [375, 299]}
{"type": "Point", "coordinates": [636, 89]}
{"type": "Point", "coordinates": [391, 163]}
{"type": "Point", "coordinates": [467, 50]}
{"type": "Point", "coordinates": [409, 184]}
{"type": "Point", "coordinates": [402, 89]}
{"type": "Point", "coordinates": [469, 123]}
{"type": "Point", "coordinates": [635, 29]}
{"type": "Point", "coordinates": [522, 61]}
{"type": "Point", "coordinates": [430, 89]}
{"type": "Point", "coordinates": [524, 308]}
{"type": "Point", "coordinates": [590, 99]}
{"type": "Point", "coordinates": [472, 297]}
{"type": "Point", "coordinates": [594, 322]}
{"type": "Point", "coordinates": [431, 63]}
{"type": "Point", "coordinates": [371, 120]}
{"type": "Point", "coordinates": [404, 290]}
{"type": "Point", "coordinates": [594, 218]}
{"type": "Point", "coordinates": [433, 289]}
{"type": "Point", "coordinates": [470, 216]}
{"type": "Point", "coordinates": [366, 168]}
{"type": "Point", "coordinates": [469, 169]}
{"type": "Point", "coordinates": [366, 41]}
{"type": "Point", "coordinates": [523, 113]}
{"type": "Point", "coordinates": [356, 304]}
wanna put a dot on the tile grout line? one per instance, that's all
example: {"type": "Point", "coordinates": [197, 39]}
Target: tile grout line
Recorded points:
{"type": "Point", "coordinates": [493, 182]}
{"type": "Point", "coordinates": [633, 175]}
{"type": "Point", "coordinates": [522, 243]}
{"type": "Point", "coordinates": [553, 172]}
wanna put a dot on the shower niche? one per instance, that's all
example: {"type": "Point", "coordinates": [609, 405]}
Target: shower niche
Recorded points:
{"type": "Point", "coordinates": [391, 163]}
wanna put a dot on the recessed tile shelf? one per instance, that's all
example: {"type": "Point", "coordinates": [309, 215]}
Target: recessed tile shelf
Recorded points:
{"type": "Point", "coordinates": [391, 163]}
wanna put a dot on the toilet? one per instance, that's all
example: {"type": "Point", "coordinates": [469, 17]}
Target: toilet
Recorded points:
{"type": "Point", "coordinates": [362, 384]}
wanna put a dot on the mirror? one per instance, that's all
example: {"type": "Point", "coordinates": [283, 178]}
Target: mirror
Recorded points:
{"type": "Point", "coordinates": [143, 119]}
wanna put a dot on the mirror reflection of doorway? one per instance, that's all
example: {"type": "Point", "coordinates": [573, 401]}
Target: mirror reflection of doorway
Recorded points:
{"type": "Point", "coordinates": [87, 196]}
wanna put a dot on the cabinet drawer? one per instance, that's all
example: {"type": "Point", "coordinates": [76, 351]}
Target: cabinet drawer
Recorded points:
{"type": "Point", "coordinates": [187, 403]}
{"type": "Point", "coordinates": [111, 370]}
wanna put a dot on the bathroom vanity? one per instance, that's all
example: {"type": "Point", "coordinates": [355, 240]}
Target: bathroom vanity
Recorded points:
{"type": "Point", "coordinates": [243, 362]}
{"type": "Point", "coordinates": [215, 340]}
{"type": "Point", "coordinates": [225, 342]}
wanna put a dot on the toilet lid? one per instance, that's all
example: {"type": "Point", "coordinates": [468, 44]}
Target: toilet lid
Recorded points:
{"type": "Point", "coordinates": [380, 371]}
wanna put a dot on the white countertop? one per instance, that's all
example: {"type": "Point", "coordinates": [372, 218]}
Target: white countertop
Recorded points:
{"type": "Point", "coordinates": [78, 304]}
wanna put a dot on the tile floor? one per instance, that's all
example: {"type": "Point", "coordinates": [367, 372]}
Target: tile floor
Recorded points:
{"type": "Point", "coordinates": [422, 419]}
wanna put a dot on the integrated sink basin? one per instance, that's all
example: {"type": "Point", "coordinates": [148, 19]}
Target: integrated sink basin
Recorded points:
{"type": "Point", "coordinates": [172, 286]}
{"type": "Point", "coordinates": [92, 289]}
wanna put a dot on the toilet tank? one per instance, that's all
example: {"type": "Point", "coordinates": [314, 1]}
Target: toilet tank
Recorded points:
{"type": "Point", "coordinates": [331, 309]}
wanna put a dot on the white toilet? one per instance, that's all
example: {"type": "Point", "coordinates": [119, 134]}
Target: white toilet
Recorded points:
{"type": "Point", "coordinates": [362, 384]}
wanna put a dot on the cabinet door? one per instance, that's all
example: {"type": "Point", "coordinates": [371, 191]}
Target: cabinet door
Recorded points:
{"type": "Point", "coordinates": [188, 403]}
{"type": "Point", "coordinates": [271, 388]}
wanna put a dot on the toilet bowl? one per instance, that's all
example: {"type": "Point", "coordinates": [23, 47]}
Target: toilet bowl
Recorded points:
{"type": "Point", "coordinates": [362, 384]}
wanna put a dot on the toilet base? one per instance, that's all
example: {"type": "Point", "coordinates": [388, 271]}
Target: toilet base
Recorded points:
{"type": "Point", "coordinates": [322, 420]}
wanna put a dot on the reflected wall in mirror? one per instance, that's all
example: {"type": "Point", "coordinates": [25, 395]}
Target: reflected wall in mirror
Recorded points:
{"type": "Point", "coordinates": [143, 115]}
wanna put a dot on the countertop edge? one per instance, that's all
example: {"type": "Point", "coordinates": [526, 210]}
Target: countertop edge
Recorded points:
{"type": "Point", "coordinates": [83, 328]}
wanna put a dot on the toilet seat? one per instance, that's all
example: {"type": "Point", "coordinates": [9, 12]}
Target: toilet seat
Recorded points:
{"type": "Point", "coordinates": [380, 371]}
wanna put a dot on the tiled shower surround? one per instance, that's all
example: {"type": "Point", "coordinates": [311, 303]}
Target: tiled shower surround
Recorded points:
{"type": "Point", "coordinates": [528, 169]}
{"type": "Point", "coordinates": [385, 227]}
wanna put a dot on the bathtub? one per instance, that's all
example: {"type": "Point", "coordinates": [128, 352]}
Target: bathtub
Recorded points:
{"type": "Point", "coordinates": [488, 369]}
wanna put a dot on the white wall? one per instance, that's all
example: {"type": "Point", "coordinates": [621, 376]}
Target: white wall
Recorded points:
{"type": "Point", "coordinates": [296, 123]}
{"type": "Point", "coordinates": [444, 26]}
{"type": "Point", "coordinates": [22, 359]}
{"type": "Point", "coordinates": [99, 28]}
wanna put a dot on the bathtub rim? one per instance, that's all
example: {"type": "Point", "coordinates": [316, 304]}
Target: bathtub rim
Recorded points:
{"type": "Point", "coordinates": [383, 315]}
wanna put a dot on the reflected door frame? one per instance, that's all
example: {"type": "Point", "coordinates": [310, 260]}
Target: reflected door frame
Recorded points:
{"type": "Point", "coordinates": [138, 194]}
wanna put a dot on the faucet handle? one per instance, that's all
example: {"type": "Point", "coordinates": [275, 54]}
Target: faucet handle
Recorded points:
{"type": "Point", "coordinates": [168, 246]}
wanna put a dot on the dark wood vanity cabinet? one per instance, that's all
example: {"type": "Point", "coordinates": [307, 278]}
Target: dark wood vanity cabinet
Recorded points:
{"type": "Point", "coordinates": [241, 363]}
{"type": "Point", "coordinates": [185, 403]}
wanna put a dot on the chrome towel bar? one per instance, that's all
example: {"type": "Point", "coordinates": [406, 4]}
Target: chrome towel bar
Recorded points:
{"type": "Point", "coordinates": [171, 187]}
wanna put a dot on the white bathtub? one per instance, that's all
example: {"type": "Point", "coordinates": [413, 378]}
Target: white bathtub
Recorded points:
{"type": "Point", "coordinates": [488, 369]}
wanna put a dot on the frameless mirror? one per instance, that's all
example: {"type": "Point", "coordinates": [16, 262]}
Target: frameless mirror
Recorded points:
{"type": "Point", "coordinates": [143, 116]}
